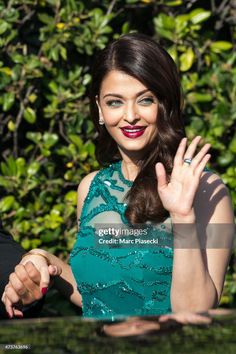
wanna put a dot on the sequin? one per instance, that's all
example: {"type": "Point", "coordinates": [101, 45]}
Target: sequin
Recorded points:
{"type": "Point", "coordinates": [119, 281]}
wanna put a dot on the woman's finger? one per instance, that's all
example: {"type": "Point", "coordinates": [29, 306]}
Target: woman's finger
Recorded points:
{"type": "Point", "coordinates": [33, 272]}
{"type": "Point", "coordinates": [11, 300]}
{"type": "Point", "coordinates": [198, 171]}
{"type": "Point", "coordinates": [45, 279]}
{"type": "Point", "coordinates": [54, 270]}
{"type": "Point", "coordinates": [12, 294]}
{"type": "Point", "coordinates": [18, 313]}
{"type": "Point", "coordinates": [17, 285]}
{"type": "Point", "coordinates": [178, 160]}
{"type": "Point", "coordinates": [35, 276]}
{"type": "Point", "coordinates": [161, 176]}
{"type": "Point", "coordinates": [192, 147]}
{"type": "Point", "coordinates": [30, 285]}
{"type": "Point", "coordinates": [8, 307]}
{"type": "Point", "coordinates": [198, 158]}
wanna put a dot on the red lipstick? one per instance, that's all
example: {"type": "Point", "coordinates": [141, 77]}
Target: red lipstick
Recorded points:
{"type": "Point", "coordinates": [133, 131]}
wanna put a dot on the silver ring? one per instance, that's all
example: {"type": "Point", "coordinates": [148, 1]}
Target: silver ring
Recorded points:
{"type": "Point", "coordinates": [188, 161]}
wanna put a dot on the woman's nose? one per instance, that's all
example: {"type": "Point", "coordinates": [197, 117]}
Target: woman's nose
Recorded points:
{"type": "Point", "coordinates": [130, 114]}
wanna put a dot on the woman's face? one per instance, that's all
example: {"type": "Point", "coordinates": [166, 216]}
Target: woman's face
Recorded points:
{"type": "Point", "coordinates": [129, 110]}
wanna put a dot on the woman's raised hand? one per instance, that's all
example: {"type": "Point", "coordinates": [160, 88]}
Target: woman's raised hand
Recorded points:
{"type": "Point", "coordinates": [178, 194]}
{"type": "Point", "coordinates": [28, 283]}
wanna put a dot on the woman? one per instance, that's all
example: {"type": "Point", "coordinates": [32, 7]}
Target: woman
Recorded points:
{"type": "Point", "coordinates": [154, 180]}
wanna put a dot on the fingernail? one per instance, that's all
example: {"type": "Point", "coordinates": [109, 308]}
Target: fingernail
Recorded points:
{"type": "Point", "coordinates": [8, 315]}
{"type": "Point", "coordinates": [44, 291]}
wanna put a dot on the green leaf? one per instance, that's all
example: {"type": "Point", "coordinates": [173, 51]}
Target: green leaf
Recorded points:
{"type": "Point", "coordinates": [186, 59]}
{"type": "Point", "coordinates": [69, 175]}
{"type": "Point", "coordinates": [35, 243]}
{"type": "Point", "coordinates": [220, 46]}
{"type": "Point", "coordinates": [35, 137]}
{"type": "Point", "coordinates": [225, 159]}
{"type": "Point", "coordinates": [45, 152]}
{"type": "Point", "coordinates": [199, 97]}
{"type": "Point", "coordinates": [53, 87]}
{"type": "Point", "coordinates": [50, 236]}
{"type": "Point", "coordinates": [173, 53]}
{"type": "Point", "coordinates": [11, 126]}
{"type": "Point", "coordinates": [165, 21]}
{"type": "Point", "coordinates": [182, 22]}
{"type": "Point", "coordinates": [6, 203]}
{"type": "Point", "coordinates": [54, 53]}
{"type": "Point", "coordinates": [199, 15]}
{"type": "Point", "coordinates": [53, 220]}
{"type": "Point", "coordinates": [125, 28]}
{"type": "Point", "coordinates": [20, 163]}
{"type": "Point", "coordinates": [5, 183]}
{"type": "Point", "coordinates": [71, 197]}
{"type": "Point", "coordinates": [26, 244]}
{"type": "Point", "coordinates": [8, 101]}
{"type": "Point", "coordinates": [90, 147]}
{"type": "Point", "coordinates": [63, 52]}
{"type": "Point", "coordinates": [76, 140]}
{"type": "Point", "coordinates": [29, 115]}
{"type": "Point", "coordinates": [48, 20]}
{"type": "Point", "coordinates": [164, 26]}
{"type": "Point", "coordinates": [18, 58]}
{"type": "Point", "coordinates": [174, 3]}
{"type": "Point", "coordinates": [232, 145]}
{"type": "Point", "coordinates": [33, 168]}
{"type": "Point", "coordinates": [50, 139]}
{"type": "Point", "coordinates": [86, 79]}
{"type": "Point", "coordinates": [3, 26]}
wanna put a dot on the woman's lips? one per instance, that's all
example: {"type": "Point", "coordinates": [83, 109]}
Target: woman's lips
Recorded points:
{"type": "Point", "coordinates": [133, 131]}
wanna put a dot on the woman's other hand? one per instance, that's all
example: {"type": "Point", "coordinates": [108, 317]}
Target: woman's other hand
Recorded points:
{"type": "Point", "coordinates": [28, 283]}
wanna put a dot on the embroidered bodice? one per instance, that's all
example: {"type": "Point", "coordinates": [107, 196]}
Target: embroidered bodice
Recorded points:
{"type": "Point", "coordinates": [114, 279]}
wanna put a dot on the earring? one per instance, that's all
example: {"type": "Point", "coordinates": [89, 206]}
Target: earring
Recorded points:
{"type": "Point", "coordinates": [101, 121]}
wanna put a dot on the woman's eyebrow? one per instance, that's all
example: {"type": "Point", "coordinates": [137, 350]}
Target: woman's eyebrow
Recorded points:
{"type": "Point", "coordinates": [120, 96]}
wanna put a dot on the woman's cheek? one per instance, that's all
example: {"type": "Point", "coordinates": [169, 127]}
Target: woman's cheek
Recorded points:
{"type": "Point", "coordinates": [112, 118]}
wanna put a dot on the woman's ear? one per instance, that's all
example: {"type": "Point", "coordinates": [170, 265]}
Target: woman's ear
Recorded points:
{"type": "Point", "coordinates": [101, 120]}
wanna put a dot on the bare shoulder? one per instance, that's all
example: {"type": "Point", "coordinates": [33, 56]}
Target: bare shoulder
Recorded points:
{"type": "Point", "coordinates": [84, 185]}
{"type": "Point", "coordinates": [213, 202]}
{"type": "Point", "coordinates": [83, 189]}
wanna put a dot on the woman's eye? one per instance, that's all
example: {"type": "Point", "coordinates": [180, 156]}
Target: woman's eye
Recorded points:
{"type": "Point", "coordinates": [147, 101]}
{"type": "Point", "coordinates": [114, 103]}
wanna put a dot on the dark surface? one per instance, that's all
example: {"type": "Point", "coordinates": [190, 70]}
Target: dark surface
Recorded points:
{"type": "Point", "coordinates": [76, 335]}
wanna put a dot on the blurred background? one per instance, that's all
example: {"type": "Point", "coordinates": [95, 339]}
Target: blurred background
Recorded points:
{"type": "Point", "coordinates": [47, 140]}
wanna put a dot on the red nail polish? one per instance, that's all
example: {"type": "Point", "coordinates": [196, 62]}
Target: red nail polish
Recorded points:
{"type": "Point", "coordinates": [44, 291]}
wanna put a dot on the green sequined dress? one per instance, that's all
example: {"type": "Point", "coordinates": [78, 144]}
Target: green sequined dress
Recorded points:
{"type": "Point", "coordinates": [118, 281]}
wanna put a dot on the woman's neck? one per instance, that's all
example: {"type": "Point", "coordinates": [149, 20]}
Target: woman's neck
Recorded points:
{"type": "Point", "coordinates": [129, 170]}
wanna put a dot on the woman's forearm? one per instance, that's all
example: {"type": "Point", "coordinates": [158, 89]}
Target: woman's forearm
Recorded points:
{"type": "Point", "coordinates": [192, 286]}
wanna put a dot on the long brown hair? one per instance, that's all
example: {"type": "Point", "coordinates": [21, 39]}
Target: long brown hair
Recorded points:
{"type": "Point", "coordinates": [144, 59]}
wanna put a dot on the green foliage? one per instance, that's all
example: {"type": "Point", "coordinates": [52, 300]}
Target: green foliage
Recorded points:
{"type": "Point", "coordinates": [47, 137]}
